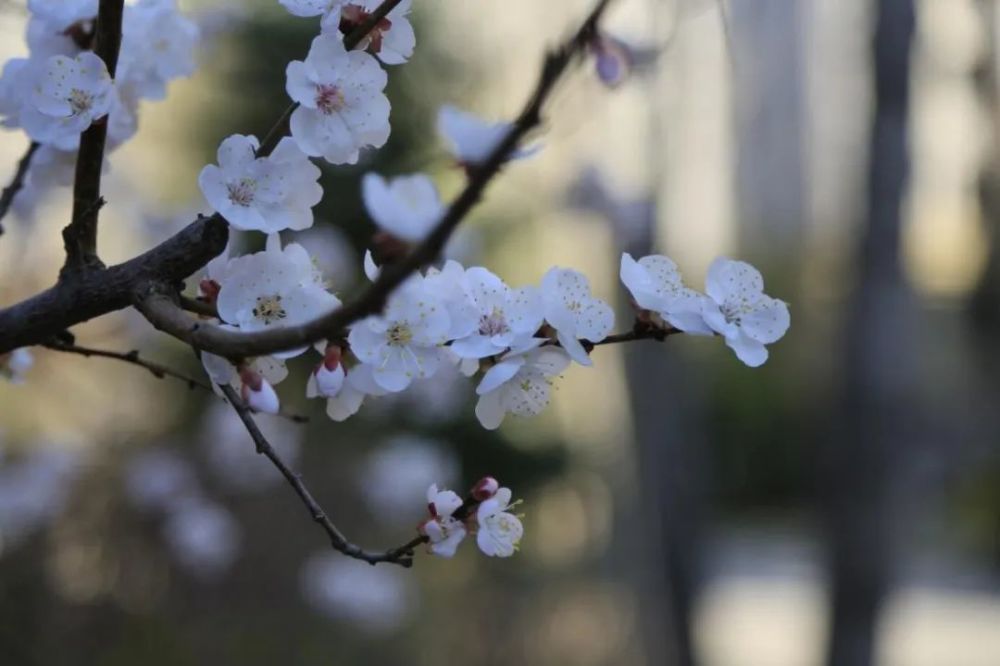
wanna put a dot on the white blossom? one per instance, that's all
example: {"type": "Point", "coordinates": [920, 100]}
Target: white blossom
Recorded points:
{"type": "Point", "coordinates": [407, 207]}
{"type": "Point", "coordinates": [448, 284]}
{"type": "Point", "coordinates": [472, 139]}
{"type": "Point", "coordinates": [499, 531]}
{"type": "Point", "coordinates": [573, 312]}
{"type": "Point", "coordinates": [63, 13]}
{"type": "Point", "coordinates": [266, 194]}
{"type": "Point", "coordinates": [66, 97]}
{"type": "Point", "coordinates": [342, 107]}
{"type": "Point", "coordinates": [444, 532]}
{"type": "Point", "coordinates": [506, 318]}
{"type": "Point", "coordinates": [404, 342]}
{"type": "Point", "coordinates": [738, 309]}
{"type": "Point", "coordinates": [656, 285]}
{"type": "Point", "coordinates": [276, 287]}
{"type": "Point", "coordinates": [519, 384]}
{"type": "Point", "coordinates": [158, 45]}
{"type": "Point", "coordinates": [14, 365]}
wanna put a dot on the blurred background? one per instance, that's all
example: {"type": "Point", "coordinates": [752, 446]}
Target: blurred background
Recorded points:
{"type": "Point", "coordinates": [839, 505]}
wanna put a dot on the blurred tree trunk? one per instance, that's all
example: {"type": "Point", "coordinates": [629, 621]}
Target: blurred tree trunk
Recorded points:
{"type": "Point", "coordinates": [666, 412]}
{"type": "Point", "coordinates": [769, 98]}
{"type": "Point", "coordinates": [877, 417]}
{"type": "Point", "coordinates": [983, 306]}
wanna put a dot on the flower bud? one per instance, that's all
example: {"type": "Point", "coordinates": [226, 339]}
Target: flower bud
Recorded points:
{"type": "Point", "coordinates": [258, 393]}
{"type": "Point", "coordinates": [208, 291]}
{"type": "Point", "coordinates": [485, 488]}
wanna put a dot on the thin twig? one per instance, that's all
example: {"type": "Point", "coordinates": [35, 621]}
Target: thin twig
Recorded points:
{"type": "Point", "coordinates": [80, 236]}
{"type": "Point", "coordinates": [403, 555]}
{"type": "Point", "coordinates": [157, 301]}
{"type": "Point", "coordinates": [158, 370]}
{"type": "Point", "coordinates": [17, 182]}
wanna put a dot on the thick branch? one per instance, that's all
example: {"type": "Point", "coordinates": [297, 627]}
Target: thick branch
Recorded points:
{"type": "Point", "coordinates": [94, 293]}
{"type": "Point", "coordinates": [158, 305]}
{"type": "Point", "coordinates": [402, 555]}
{"type": "Point", "coordinates": [80, 237]}
{"type": "Point", "coordinates": [17, 182]}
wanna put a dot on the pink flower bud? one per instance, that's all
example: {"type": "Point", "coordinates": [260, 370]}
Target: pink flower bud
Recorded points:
{"type": "Point", "coordinates": [258, 393]}
{"type": "Point", "coordinates": [208, 291]}
{"type": "Point", "coordinates": [485, 488]}
{"type": "Point", "coordinates": [329, 382]}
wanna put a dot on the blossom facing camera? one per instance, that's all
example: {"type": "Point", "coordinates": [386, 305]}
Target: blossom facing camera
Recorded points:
{"type": "Point", "coordinates": [67, 96]}
{"type": "Point", "coordinates": [740, 311]}
{"type": "Point", "coordinates": [341, 105]}
{"type": "Point", "coordinates": [266, 194]}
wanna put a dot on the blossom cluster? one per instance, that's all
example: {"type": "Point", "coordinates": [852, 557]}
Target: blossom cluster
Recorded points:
{"type": "Point", "coordinates": [62, 87]}
{"type": "Point", "coordinates": [486, 513]}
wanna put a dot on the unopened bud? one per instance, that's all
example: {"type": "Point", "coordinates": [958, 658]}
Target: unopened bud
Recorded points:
{"type": "Point", "coordinates": [208, 290]}
{"type": "Point", "coordinates": [485, 488]}
{"type": "Point", "coordinates": [258, 393]}
{"type": "Point", "coordinates": [330, 374]}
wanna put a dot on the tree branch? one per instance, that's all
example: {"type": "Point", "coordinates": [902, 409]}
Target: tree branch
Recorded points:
{"type": "Point", "coordinates": [158, 304]}
{"type": "Point", "coordinates": [17, 182]}
{"type": "Point", "coordinates": [403, 555]}
{"type": "Point", "coordinates": [156, 369]}
{"type": "Point", "coordinates": [95, 293]}
{"type": "Point", "coordinates": [80, 237]}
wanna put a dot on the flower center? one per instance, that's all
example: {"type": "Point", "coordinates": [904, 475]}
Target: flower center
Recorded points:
{"type": "Point", "coordinates": [733, 313]}
{"type": "Point", "coordinates": [269, 309]}
{"type": "Point", "coordinates": [493, 324]}
{"type": "Point", "coordinates": [80, 101]}
{"type": "Point", "coordinates": [329, 98]}
{"type": "Point", "coordinates": [242, 191]}
{"type": "Point", "coordinates": [399, 334]}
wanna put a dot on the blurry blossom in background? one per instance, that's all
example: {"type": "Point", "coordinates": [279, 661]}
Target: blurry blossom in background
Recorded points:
{"type": "Point", "coordinates": [375, 599]}
{"type": "Point", "coordinates": [33, 490]}
{"type": "Point", "coordinates": [395, 477]}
